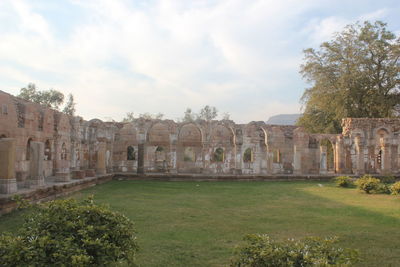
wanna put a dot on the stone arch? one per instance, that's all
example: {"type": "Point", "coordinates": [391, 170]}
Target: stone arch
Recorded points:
{"type": "Point", "coordinates": [127, 134]}
{"type": "Point", "coordinates": [222, 135]}
{"type": "Point", "coordinates": [189, 154]}
{"type": "Point", "coordinates": [189, 148]}
{"type": "Point", "coordinates": [382, 149]}
{"type": "Point", "coordinates": [327, 155]}
{"type": "Point", "coordinates": [28, 148]}
{"type": "Point", "coordinates": [158, 156]}
{"type": "Point", "coordinates": [219, 155]}
{"type": "Point", "coordinates": [130, 153]}
{"type": "Point", "coordinates": [221, 139]}
{"type": "Point", "coordinates": [64, 152]}
{"type": "Point", "coordinates": [190, 135]}
{"type": "Point", "coordinates": [47, 150]}
{"type": "Point", "coordinates": [159, 134]}
{"type": "Point", "coordinates": [254, 149]}
{"type": "Point", "coordinates": [248, 155]}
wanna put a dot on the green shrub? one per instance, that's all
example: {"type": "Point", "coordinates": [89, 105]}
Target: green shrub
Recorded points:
{"type": "Point", "coordinates": [70, 233]}
{"type": "Point", "coordinates": [343, 181]}
{"type": "Point", "coordinates": [395, 188]}
{"type": "Point", "coordinates": [389, 179]}
{"type": "Point", "coordinates": [383, 189]}
{"type": "Point", "coordinates": [262, 251]}
{"type": "Point", "coordinates": [368, 184]}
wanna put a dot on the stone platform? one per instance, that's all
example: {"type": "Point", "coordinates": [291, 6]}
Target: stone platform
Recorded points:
{"type": "Point", "coordinates": [49, 191]}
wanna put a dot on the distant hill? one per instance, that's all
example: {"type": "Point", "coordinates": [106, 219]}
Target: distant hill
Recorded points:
{"type": "Point", "coordinates": [283, 119]}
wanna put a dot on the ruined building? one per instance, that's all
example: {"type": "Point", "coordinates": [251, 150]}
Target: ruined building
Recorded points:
{"type": "Point", "coordinates": [38, 144]}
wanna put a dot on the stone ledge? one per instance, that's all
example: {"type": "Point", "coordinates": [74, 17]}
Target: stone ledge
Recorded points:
{"type": "Point", "coordinates": [219, 177]}
{"type": "Point", "coordinates": [49, 191]}
{"type": "Point", "coordinates": [53, 190]}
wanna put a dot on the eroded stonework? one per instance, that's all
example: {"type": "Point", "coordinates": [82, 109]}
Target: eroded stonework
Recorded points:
{"type": "Point", "coordinates": [49, 143]}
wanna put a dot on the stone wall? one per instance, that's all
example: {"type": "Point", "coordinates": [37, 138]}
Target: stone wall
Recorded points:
{"type": "Point", "coordinates": [51, 145]}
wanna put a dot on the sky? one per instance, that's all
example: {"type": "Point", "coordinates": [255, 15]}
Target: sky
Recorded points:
{"type": "Point", "coordinates": [119, 56]}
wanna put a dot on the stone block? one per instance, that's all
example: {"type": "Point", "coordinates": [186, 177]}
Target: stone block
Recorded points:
{"type": "Point", "coordinates": [78, 174]}
{"type": "Point", "coordinates": [63, 177]}
{"type": "Point", "coordinates": [8, 186]}
{"type": "Point", "coordinates": [90, 173]}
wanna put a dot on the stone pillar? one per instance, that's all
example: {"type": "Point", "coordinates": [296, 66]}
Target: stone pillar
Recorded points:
{"type": "Point", "coordinates": [386, 162]}
{"type": "Point", "coordinates": [340, 156]}
{"type": "Point", "coordinates": [360, 156]}
{"type": "Point", "coordinates": [238, 159]}
{"type": "Point", "coordinates": [36, 164]}
{"type": "Point", "coordinates": [101, 159]}
{"type": "Point", "coordinates": [8, 183]}
{"type": "Point", "coordinates": [297, 160]}
{"type": "Point", "coordinates": [323, 168]}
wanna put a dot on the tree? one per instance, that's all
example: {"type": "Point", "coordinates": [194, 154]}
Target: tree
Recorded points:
{"type": "Point", "coordinates": [208, 113]}
{"type": "Point", "coordinates": [149, 116]}
{"type": "Point", "coordinates": [48, 98]}
{"type": "Point", "coordinates": [189, 116]}
{"type": "Point", "coordinates": [129, 117]}
{"type": "Point", "coordinates": [357, 74]}
{"type": "Point", "coordinates": [226, 116]}
{"type": "Point", "coordinates": [69, 108]}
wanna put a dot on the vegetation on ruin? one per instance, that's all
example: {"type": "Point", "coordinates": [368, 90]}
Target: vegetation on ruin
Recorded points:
{"type": "Point", "coordinates": [70, 233]}
{"type": "Point", "coordinates": [357, 74]}
{"type": "Point", "coordinates": [130, 116]}
{"type": "Point", "coordinates": [343, 181]}
{"type": "Point", "coordinates": [395, 188]}
{"type": "Point", "coordinates": [369, 184]}
{"type": "Point", "coordinates": [262, 251]}
{"type": "Point", "coordinates": [48, 98]}
{"type": "Point", "coordinates": [200, 223]}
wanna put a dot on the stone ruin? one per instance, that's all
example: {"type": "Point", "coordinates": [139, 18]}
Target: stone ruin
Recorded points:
{"type": "Point", "coordinates": [37, 144]}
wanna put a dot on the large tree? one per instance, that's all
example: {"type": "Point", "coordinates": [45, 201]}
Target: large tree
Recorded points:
{"type": "Point", "coordinates": [357, 74]}
{"type": "Point", "coordinates": [48, 98]}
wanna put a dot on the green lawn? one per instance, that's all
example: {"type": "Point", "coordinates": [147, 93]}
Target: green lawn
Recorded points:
{"type": "Point", "coordinates": [199, 223]}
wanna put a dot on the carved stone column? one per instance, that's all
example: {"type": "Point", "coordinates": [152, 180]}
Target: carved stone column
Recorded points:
{"type": "Point", "coordinates": [101, 159]}
{"type": "Point", "coordinates": [8, 183]}
{"type": "Point", "coordinates": [36, 164]}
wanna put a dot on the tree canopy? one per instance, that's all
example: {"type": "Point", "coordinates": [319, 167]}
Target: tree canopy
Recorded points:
{"type": "Point", "coordinates": [207, 113]}
{"type": "Point", "coordinates": [357, 74]}
{"type": "Point", "coordinates": [48, 98]}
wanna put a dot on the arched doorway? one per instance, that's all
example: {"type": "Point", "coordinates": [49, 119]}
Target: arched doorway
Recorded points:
{"type": "Point", "coordinates": [327, 156]}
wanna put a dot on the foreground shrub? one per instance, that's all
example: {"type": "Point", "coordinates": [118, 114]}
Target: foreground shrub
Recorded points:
{"type": "Point", "coordinates": [368, 184]}
{"type": "Point", "coordinates": [262, 251]}
{"type": "Point", "coordinates": [389, 179]}
{"type": "Point", "coordinates": [70, 233]}
{"type": "Point", "coordinates": [343, 181]}
{"type": "Point", "coordinates": [395, 188]}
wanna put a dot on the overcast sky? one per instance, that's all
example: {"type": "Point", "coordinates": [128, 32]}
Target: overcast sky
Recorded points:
{"type": "Point", "coordinates": [241, 56]}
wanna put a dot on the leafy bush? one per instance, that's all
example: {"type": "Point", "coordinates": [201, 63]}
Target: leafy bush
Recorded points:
{"type": "Point", "coordinates": [70, 233]}
{"type": "Point", "coordinates": [383, 189]}
{"type": "Point", "coordinates": [262, 251]}
{"type": "Point", "coordinates": [343, 181]}
{"type": "Point", "coordinates": [389, 179]}
{"type": "Point", "coordinates": [368, 184]}
{"type": "Point", "coordinates": [395, 188]}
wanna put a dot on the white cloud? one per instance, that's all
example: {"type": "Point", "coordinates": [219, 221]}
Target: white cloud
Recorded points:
{"type": "Point", "coordinates": [168, 55]}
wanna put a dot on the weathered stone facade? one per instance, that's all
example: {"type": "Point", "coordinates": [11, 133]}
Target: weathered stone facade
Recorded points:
{"type": "Point", "coordinates": [37, 143]}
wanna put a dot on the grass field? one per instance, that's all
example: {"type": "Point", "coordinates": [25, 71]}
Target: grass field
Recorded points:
{"type": "Point", "coordinates": [199, 223]}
